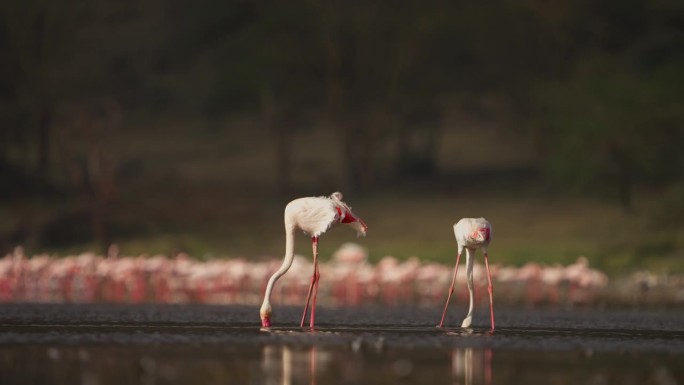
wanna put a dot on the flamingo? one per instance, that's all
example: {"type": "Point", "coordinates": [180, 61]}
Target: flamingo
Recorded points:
{"type": "Point", "coordinates": [314, 216]}
{"type": "Point", "coordinates": [472, 234]}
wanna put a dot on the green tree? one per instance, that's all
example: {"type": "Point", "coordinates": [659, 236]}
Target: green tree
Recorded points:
{"type": "Point", "coordinates": [613, 129]}
{"type": "Point", "coordinates": [67, 67]}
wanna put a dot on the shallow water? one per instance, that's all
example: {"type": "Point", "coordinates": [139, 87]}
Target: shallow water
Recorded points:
{"type": "Point", "coordinates": [151, 344]}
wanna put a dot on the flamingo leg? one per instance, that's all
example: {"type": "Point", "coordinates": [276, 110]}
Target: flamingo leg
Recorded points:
{"type": "Point", "coordinates": [470, 254]}
{"type": "Point", "coordinates": [488, 366]}
{"type": "Point", "coordinates": [317, 276]}
{"type": "Point", "coordinates": [314, 278]}
{"type": "Point", "coordinates": [451, 291]}
{"type": "Point", "coordinates": [490, 289]}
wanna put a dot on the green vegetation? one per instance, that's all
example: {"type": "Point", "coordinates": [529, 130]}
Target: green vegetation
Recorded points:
{"type": "Point", "coordinates": [161, 125]}
{"type": "Point", "coordinates": [213, 203]}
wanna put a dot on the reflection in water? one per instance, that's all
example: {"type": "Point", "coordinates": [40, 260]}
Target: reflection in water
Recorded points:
{"type": "Point", "coordinates": [473, 366]}
{"type": "Point", "coordinates": [285, 365]}
{"type": "Point", "coordinates": [293, 364]}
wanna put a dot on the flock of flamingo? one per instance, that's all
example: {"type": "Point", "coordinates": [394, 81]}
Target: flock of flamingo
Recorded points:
{"type": "Point", "coordinates": [349, 278]}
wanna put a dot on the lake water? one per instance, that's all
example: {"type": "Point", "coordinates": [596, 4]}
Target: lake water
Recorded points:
{"type": "Point", "coordinates": [194, 344]}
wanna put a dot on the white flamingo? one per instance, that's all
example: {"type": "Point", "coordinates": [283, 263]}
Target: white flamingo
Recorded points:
{"type": "Point", "coordinates": [472, 234]}
{"type": "Point", "coordinates": [314, 216]}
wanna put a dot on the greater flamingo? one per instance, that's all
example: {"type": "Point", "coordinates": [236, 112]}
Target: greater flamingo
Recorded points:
{"type": "Point", "coordinates": [314, 216]}
{"type": "Point", "coordinates": [471, 234]}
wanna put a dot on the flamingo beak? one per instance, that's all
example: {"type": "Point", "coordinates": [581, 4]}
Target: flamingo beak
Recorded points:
{"type": "Point", "coordinates": [364, 227]}
{"type": "Point", "coordinates": [357, 223]}
{"type": "Point", "coordinates": [360, 227]}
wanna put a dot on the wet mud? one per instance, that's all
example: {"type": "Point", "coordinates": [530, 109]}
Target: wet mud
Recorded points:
{"type": "Point", "coordinates": [178, 344]}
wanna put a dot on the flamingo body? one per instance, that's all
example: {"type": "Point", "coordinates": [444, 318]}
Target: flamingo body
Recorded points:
{"type": "Point", "coordinates": [472, 234]}
{"type": "Point", "coordinates": [314, 216]}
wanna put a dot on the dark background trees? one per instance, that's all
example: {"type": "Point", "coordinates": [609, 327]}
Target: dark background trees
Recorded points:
{"type": "Point", "coordinates": [98, 98]}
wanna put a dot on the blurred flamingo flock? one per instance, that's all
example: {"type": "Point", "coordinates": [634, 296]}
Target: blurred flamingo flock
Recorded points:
{"type": "Point", "coordinates": [347, 279]}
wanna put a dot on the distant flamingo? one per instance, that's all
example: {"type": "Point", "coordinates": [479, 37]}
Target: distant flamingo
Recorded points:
{"type": "Point", "coordinates": [314, 216]}
{"type": "Point", "coordinates": [471, 234]}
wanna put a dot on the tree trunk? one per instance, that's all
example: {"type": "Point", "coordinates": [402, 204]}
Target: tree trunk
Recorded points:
{"type": "Point", "coordinates": [271, 120]}
{"type": "Point", "coordinates": [44, 137]}
{"type": "Point", "coordinates": [283, 162]}
{"type": "Point", "coordinates": [45, 112]}
{"type": "Point", "coordinates": [350, 157]}
{"type": "Point", "coordinates": [624, 177]}
{"type": "Point", "coordinates": [417, 142]}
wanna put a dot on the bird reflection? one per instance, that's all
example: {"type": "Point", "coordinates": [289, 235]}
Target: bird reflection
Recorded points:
{"type": "Point", "coordinates": [471, 366]}
{"type": "Point", "coordinates": [284, 365]}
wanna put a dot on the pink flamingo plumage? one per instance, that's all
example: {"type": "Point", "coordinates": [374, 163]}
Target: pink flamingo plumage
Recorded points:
{"type": "Point", "coordinates": [472, 234]}
{"type": "Point", "coordinates": [314, 216]}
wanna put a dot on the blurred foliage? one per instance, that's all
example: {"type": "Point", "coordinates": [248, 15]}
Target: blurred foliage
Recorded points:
{"type": "Point", "coordinates": [612, 128]}
{"type": "Point", "coordinates": [669, 210]}
{"type": "Point", "coordinates": [595, 87]}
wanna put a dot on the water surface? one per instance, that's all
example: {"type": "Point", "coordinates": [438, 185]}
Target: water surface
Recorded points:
{"type": "Point", "coordinates": [153, 344]}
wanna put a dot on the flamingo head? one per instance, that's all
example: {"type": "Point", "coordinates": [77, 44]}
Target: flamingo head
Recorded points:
{"type": "Point", "coordinates": [265, 314]}
{"type": "Point", "coordinates": [347, 217]}
{"type": "Point", "coordinates": [482, 234]}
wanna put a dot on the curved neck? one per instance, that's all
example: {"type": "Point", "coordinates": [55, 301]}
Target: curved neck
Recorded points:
{"type": "Point", "coordinates": [287, 262]}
